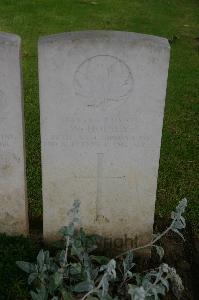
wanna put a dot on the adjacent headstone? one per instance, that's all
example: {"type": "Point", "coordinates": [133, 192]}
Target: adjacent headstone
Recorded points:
{"type": "Point", "coordinates": [13, 210]}
{"type": "Point", "coordinates": [102, 98]}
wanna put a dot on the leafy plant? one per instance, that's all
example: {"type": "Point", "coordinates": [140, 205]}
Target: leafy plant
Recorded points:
{"type": "Point", "coordinates": [76, 273]}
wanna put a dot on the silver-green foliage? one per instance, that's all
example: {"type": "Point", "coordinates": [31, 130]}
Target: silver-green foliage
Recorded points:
{"type": "Point", "coordinates": [75, 272]}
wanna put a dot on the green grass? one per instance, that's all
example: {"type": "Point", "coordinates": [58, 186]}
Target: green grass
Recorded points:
{"type": "Point", "coordinates": [167, 18]}
{"type": "Point", "coordinates": [13, 281]}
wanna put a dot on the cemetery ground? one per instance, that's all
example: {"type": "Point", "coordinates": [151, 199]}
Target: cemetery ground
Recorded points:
{"type": "Point", "coordinates": [178, 177]}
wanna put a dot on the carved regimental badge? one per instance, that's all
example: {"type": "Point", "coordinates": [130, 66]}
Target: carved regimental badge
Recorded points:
{"type": "Point", "coordinates": [103, 81]}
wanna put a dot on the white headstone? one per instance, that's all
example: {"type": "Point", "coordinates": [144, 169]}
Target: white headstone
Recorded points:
{"type": "Point", "coordinates": [13, 210]}
{"type": "Point", "coordinates": [102, 98]}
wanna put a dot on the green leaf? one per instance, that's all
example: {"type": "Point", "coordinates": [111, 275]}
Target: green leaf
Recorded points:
{"type": "Point", "coordinates": [26, 266]}
{"type": "Point", "coordinates": [129, 274]}
{"type": "Point", "coordinates": [182, 206]}
{"type": "Point", "coordinates": [32, 277]}
{"type": "Point", "coordinates": [34, 296]}
{"type": "Point", "coordinates": [62, 257]}
{"type": "Point", "coordinates": [66, 295]}
{"type": "Point", "coordinates": [160, 251]}
{"type": "Point", "coordinates": [47, 257]}
{"type": "Point", "coordinates": [128, 262]}
{"type": "Point", "coordinates": [58, 277]}
{"type": "Point", "coordinates": [179, 233]}
{"type": "Point", "coordinates": [136, 293]}
{"type": "Point", "coordinates": [75, 269]}
{"type": "Point", "coordinates": [84, 286]}
{"type": "Point", "coordinates": [55, 280]}
{"type": "Point", "coordinates": [105, 286]}
{"type": "Point", "coordinates": [40, 259]}
{"type": "Point", "coordinates": [101, 296]}
{"type": "Point", "coordinates": [40, 295]}
{"type": "Point", "coordinates": [165, 283]}
{"type": "Point", "coordinates": [67, 230]}
{"type": "Point", "coordinates": [138, 278]}
{"type": "Point", "coordinates": [77, 249]}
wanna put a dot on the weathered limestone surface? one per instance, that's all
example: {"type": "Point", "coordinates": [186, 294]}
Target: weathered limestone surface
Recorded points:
{"type": "Point", "coordinates": [102, 98]}
{"type": "Point", "coordinates": [13, 210]}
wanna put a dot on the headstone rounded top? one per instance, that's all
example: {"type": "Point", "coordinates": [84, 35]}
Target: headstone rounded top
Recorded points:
{"type": "Point", "coordinates": [13, 205]}
{"type": "Point", "coordinates": [120, 36]}
{"type": "Point", "coordinates": [9, 38]}
{"type": "Point", "coordinates": [101, 103]}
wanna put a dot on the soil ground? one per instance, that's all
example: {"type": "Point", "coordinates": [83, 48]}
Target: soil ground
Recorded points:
{"type": "Point", "coordinates": [184, 256]}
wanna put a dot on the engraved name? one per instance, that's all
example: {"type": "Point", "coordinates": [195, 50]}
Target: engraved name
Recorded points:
{"type": "Point", "coordinates": [96, 133]}
{"type": "Point", "coordinates": [7, 140]}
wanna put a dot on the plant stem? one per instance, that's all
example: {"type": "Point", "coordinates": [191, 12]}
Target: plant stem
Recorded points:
{"type": "Point", "coordinates": [93, 290]}
{"type": "Point", "coordinates": [66, 251]}
{"type": "Point", "coordinates": [86, 295]}
{"type": "Point", "coordinates": [155, 282]}
{"type": "Point", "coordinates": [149, 244]}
